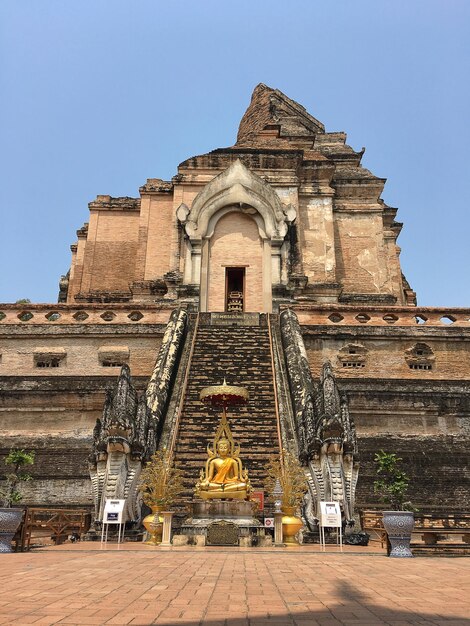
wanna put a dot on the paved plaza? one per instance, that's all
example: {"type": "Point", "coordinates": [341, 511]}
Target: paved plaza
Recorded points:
{"type": "Point", "coordinates": [139, 585]}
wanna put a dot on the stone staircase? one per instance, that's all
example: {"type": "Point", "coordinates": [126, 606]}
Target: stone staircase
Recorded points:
{"type": "Point", "coordinates": [242, 355]}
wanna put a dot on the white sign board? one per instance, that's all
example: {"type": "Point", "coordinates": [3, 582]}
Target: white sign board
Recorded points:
{"type": "Point", "coordinates": [113, 512]}
{"type": "Point", "coordinates": [269, 522]}
{"type": "Point", "coordinates": [330, 514]}
{"type": "Point", "coordinates": [330, 517]}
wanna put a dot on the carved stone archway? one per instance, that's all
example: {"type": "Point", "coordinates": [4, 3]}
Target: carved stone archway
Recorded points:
{"type": "Point", "coordinates": [237, 188]}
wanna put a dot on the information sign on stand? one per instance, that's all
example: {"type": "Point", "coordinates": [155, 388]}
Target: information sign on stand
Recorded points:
{"type": "Point", "coordinates": [330, 517]}
{"type": "Point", "coordinates": [113, 514]}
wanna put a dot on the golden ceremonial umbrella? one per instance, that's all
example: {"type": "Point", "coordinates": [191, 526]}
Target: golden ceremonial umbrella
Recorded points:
{"type": "Point", "coordinates": [224, 395]}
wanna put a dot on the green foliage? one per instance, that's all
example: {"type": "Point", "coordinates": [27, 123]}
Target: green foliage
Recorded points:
{"type": "Point", "coordinates": [160, 481]}
{"type": "Point", "coordinates": [23, 301]}
{"type": "Point", "coordinates": [17, 459]}
{"type": "Point", "coordinates": [291, 476]}
{"type": "Point", "coordinates": [392, 484]}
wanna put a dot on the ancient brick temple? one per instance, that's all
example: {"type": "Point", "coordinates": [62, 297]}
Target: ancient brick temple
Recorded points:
{"type": "Point", "coordinates": [281, 238]}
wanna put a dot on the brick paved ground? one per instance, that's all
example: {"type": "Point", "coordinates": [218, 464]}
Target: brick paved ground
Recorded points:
{"type": "Point", "coordinates": [230, 587]}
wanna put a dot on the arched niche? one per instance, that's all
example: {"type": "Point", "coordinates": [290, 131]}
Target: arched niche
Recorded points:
{"type": "Point", "coordinates": [236, 189]}
{"type": "Point", "coordinates": [236, 246]}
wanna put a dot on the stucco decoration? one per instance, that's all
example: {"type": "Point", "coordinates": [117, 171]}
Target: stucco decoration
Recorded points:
{"type": "Point", "coordinates": [164, 371]}
{"type": "Point", "coordinates": [237, 185]}
{"type": "Point", "coordinates": [120, 448]}
{"type": "Point", "coordinates": [182, 212]}
{"type": "Point", "coordinates": [301, 384]}
{"type": "Point", "coordinates": [352, 355]}
{"type": "Point", "coordinates": [420, 356]}
{"type": "Point", "coordinates": [127, 434]}
{"type": "Point", "coordinates": [326, 434]}
{"type": "Point", "coordinates": [334, 464]}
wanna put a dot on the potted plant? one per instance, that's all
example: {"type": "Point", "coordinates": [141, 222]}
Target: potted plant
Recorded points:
{"type": "Point", "coordinates": [10, 495]}
{"type": "Point", "coordinates": [291, 476]}
{"type": "Point", "coordinates": [392, 487]}
{"type": "Point", "coordinates": [160, 483]}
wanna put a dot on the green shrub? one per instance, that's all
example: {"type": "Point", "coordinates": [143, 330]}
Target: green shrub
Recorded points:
{"type": "Point", "coordinates": [392, 483]}
{"type": "Point", "coordinates": [16, 459]}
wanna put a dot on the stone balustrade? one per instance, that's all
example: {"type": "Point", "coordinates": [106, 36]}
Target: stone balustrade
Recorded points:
{"type": "Point", "coordinates": [59, 314]}
{"type": "Point", "coordinates": [337, 315]}
{"type": "Point", "coordinates": [326, 314]}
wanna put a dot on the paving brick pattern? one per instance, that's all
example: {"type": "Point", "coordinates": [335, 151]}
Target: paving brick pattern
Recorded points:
{"type": "Point", "coordinates": [230, 587]}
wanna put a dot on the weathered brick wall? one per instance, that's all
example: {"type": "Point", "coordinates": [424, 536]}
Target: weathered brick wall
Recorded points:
{"type": "Point", "coordinates": [256, 117]}
{"type": "Point", "coordinates": [110, 252]}
{"type": "Point", "coordinates": [316, 234]}
{"type": "Point", "coordinates": [53, 410]}
{"type": "Point", "coordinates": [421, 415]}
{"type": "Point", "coordinates": [386, 351]}
{"type": "Point", "coordinates": [360, 253]}
{"type": "Point", "coordinates": [60, 471]}
{"type": "Point", "coordinates": [81, 351]}
{"type": "Point", "coordinates": [438, 468]}
{"type": "Point", "coordinates": [160, 225]}
{"type": "Point", "coordinates": [427, 423]}
{"type": "Point", "coordinates": [50, 407]}
{"type": "Point", "coordinates": [76, 267]}
{"type": "Point", "coordinates": [55, 418]}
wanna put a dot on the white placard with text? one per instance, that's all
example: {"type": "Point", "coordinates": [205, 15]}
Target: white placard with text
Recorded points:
{"type": "Point", "coordinates": [113, 512]}
{"type": "Point", "coordinates": [330, 515]}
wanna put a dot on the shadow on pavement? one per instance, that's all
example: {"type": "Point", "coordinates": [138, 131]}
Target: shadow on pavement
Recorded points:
{"type": "Point", "coordinates": [353, 608]}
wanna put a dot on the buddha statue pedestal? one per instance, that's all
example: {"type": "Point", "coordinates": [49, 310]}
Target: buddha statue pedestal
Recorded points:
{"type": "Point", "coordinates": [205, 513]}
{"type": "Point", "coordinates": [240, 512]}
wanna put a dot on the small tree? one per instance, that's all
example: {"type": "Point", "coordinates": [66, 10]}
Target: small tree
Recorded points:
{"type": "Point", "coordinates": [392, 484]}
{"type": "Point", "coordinates": [160, 481]}
{"type": "Point", "coordinates": [291, 476]}
{"type": "Point", "coordinates": [17, 459]}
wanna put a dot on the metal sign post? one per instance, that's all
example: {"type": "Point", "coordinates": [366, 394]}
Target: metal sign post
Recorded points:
{"type": "Point", "coordinates": [330, 517]}
{"type": "Point", "coordinates": [113, 514]}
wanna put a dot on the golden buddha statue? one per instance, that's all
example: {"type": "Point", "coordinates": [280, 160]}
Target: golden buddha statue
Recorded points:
{"type": "Point", "coordinates": [224, 476]}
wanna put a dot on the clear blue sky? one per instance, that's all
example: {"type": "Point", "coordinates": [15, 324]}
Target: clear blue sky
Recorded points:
{"type": "Point", "coordinates": [99, 95]}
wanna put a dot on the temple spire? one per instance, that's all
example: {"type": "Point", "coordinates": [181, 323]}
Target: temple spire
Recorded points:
{"type": "Point", "coordinates": [272, 115]}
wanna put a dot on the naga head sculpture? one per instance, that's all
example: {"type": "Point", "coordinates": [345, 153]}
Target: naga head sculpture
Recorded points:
{"type": "Point", "coordinates": [335, 430]}
{"type": "Point", "coordinates": [124, 424]}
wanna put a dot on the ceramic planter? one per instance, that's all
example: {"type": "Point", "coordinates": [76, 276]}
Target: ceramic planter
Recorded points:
{"type": "Point", "coordinates": [10, 519]}
{"type": "Point", "coordinates": [399, 526]}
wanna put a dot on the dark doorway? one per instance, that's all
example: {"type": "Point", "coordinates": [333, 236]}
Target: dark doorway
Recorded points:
{"type": "Point", "coordinates": [234, 289]}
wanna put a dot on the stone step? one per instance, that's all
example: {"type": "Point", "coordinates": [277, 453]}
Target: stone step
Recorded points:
{"type": "Point", "coordinates": [242, 356]}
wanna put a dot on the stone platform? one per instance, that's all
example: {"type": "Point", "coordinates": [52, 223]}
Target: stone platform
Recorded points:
{"type": "Point", "coordinates": [234, 518]}
{"type": "Point", "coordinates": [205, 512]}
